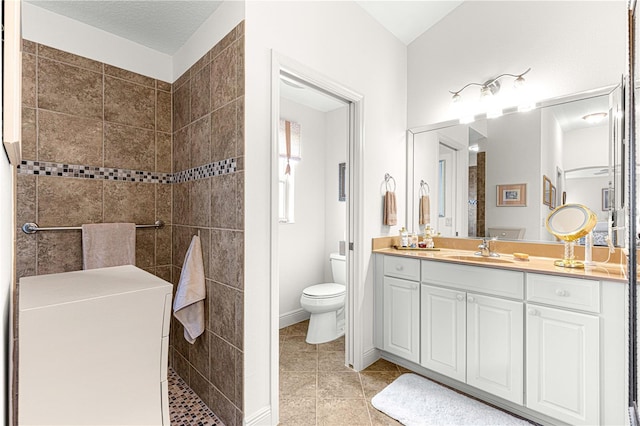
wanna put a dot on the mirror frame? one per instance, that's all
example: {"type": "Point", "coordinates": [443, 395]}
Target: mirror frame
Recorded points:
{"type": "Point", "coordinates": [613, 91]}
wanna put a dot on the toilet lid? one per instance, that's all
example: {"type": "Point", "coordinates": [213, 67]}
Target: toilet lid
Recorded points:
{"type": "Point", "coordinates": [325, 290]}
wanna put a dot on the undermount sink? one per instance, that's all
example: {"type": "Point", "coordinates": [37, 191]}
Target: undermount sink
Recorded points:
{"type": "Point", "coordinates": [478, 258]}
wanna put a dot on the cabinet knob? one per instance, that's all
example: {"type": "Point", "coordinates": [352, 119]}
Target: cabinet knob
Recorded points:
{"type": "Point", "coordinates": [561, 292]}
{"type": "Point", "coordinates": [399, 268]}
{"type": "Point", "coordinates": [532, 311]}
{"type": "Point", "coordinates": [470, 299]}
{"type": "Point", "coordinates": [460, 297]}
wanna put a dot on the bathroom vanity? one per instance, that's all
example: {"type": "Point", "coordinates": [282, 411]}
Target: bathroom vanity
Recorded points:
{"type": "Point", "coordinates": [544, 342]}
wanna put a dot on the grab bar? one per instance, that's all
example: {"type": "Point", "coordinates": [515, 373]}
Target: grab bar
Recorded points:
{"type": "Point", "coordinates": [32, 228]}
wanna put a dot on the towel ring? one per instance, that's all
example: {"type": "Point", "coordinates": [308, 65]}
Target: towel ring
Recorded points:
{"type": "Point", "coordinates": [387, 178]}
{"type": "Point", "coordinates": [424, 191]}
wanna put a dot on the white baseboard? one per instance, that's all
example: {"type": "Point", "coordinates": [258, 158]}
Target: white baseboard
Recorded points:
{"type": "Point", "coordinates": [260, 418]}
{"type": "Point", "coordinates": [293, 317]}
{"type": "Point", "coordinates": [369, 357]}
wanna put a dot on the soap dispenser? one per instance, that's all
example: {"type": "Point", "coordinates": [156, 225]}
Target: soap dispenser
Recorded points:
{"type": "Point", "coordinates": [404, 237]}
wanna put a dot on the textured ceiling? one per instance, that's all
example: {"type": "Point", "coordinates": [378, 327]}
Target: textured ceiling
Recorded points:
{"type": "Point", "coordinates": [160, 25]}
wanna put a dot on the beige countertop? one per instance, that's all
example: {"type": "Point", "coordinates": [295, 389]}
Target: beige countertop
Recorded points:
{"type": "Point", "coordinates": [613, 270]}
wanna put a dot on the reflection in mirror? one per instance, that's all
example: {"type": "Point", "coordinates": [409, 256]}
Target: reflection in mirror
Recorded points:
{"type": "Point", "coordinates": [569, 223]}
{"type": "Point", "coordinates": [566, 151]}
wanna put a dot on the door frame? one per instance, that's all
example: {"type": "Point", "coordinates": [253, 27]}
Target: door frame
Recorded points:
{"type": "Point", "coordinates": [356, 266]}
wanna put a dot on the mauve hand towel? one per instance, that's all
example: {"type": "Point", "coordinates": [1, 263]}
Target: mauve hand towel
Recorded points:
{"type": "Point", "coordinates": [424, 210]}
{"type": "Point", "coordinates": [390, 214]}
{"type": "Point", "coordinates": [188, 305]}
{"type": "Point", "coordinates": [108, 244]}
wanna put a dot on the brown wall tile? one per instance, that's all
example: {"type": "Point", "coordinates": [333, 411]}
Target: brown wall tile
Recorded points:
{"type": "Point", "coordinates": [180, 241]}
{"type": "Point", "coordinates": [69, 139]}
{"type": "Point", "coordinates": [26, 250]}
{"type": "Point", "coordinates": [163, 245]}
{"type": "Point", "coordinates": [163, 203]}
{"type": "Point", "coordinates": [238, 340]}
{"type": "Point", "coordinates": [222, 314]}
{"type": "Point", "coordinates": [224, 132]}
{"type": "Point", "coordinates": [163, 85]}
{"type": "Point", "coordinates": [145, 247]}
{"type": "Point", "coordinates": [68, 89]}
{"type": "Point", "coordinates": [128, 75]}
{"type": "Point", "coordinates": [223, 366]}
{"type": "Point", "coordinates": [59, 251]}
{"type": "Point", "coordinates": [200, 200]}
{"type": "Point", "coordinates": [68, 58]}
{"type": "Point", "coordinates": [68, 201]}
{"type": "Point", "coordinates": [163, 111]}
{"type": "Point", "coordinates": [223, 201]}
{"type": "Point", "coordinates": [225, 258]}
{"type": "Point", "coordinates": [181, 203]}
{"type": "Point", "coordinates": [201, 93]}
{"type": "Point", "coordinates": [164, 272]}
{"type": "Point", "coordinates": [199, 355]}
{"type": "Point", "coordinates": [129, 147]}
{"type": "Point", "coordinates": [223, 44]}
{"type": "Point", "coordinates": [29, 80]}
{"type": "Point", "coordinates": [239, 393]}
{"type": "Point", "coordinates": [181, 150]}
{"type": "Point", "coordinates": [163, 153]}
{"type": "Point", "coordinates": [29, 47]}
{"type": "Point", "coordinates": [223, 78]}
{"type": "Point", "coordinates": [29, 137]}
{"type": "Point", "coordinates": [200, 142]}
{"type": "Point", "coordinates": [223, 408]}
{"type": "Point", "coordinates": [240, 127]}
{"type": "Point", "coordinates": [240, 200]}
{"type": "Point", "coordinates": [129, 103]}
{"type": "Point", "coordinates": [199, 384]}
{"type": "Point", "coordinates": [180, 81]}
{"type": "Point", "coordinates": [26, 199]}
{"type": "Point", "coordinates": [181, 106]}
{"type": "Point", "coordinates": [240, 65]}
{"type": "Point", "coordinates": [129, 202]}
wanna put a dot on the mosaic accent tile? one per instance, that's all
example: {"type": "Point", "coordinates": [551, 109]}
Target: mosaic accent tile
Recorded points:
{"type": "Point", "coordinates": [45, 168]}
{"type": "Point", "coordinates": [185, 408]}
{"type": "Point", "coordinates": [216, 168]}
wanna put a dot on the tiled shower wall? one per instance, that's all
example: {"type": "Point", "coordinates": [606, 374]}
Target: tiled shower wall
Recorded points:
{"type": "Point", "coordinates": [208, 129]}
{"type": "Point", "coordinates": [80, 112]}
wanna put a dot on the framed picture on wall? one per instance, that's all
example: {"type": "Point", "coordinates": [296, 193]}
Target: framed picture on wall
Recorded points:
{"type": "Point", "coordinates": [553, 198]}
{"type": "Point", "coordinates": [511, 195]}
{"type": "Point", "coordinates": [342, 188]}
{"type": "Point", "coordinates": [546, 191]}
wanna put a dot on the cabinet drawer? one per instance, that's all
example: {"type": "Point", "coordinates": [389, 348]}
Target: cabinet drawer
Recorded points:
{"type": "Point", "coordinates": [474, 278]}
{"type": "Point", "coordinates": [400, 267]}
{"type": "Point", "coordinates": [565, 292]}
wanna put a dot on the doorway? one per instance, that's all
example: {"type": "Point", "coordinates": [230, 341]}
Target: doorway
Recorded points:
{"type": "Point", "coordinates": [315, 203]}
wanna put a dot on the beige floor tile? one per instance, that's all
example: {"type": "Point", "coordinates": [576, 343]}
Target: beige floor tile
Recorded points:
{"type": "Point", "coordinates": [297, 411]}
{"type": "Point", "coordinates": [297, 384]}
{"type": "Point", "coordinates": [299, 329]}
{"type": "Point", "coordinates": [374, 381]}
{"type": "Point", "coordinates": [335, 411]}
{"type": "Point", "coordinates": [378, 418]}
{"type": "Point", "coordinates": [382, 365]}
{"type": "Point", "coordinates": [339, 385]}
{"type": "Point", "coordinates": [332, 361]}
{"type": "Point", "coordinates": [297, 344]}
{"type": "Point", "coordinates": [334, 345]}
{"type": "Point", "coordinates": [299, 361]}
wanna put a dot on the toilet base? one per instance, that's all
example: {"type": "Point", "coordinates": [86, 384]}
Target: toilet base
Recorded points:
{"type": "Point", "coordinates": [325, 327]}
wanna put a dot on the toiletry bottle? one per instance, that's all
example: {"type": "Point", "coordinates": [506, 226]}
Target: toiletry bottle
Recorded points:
{"type": "Point", "coordinates": [428, 237]}
{"type": "Point", "coordinates": [404, 237]}
{"type": "Point", "coordinates": [414, 240]}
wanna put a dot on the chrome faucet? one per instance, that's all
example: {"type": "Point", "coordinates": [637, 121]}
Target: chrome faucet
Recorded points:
{"type": "Point", "coordinates": [486, 248]}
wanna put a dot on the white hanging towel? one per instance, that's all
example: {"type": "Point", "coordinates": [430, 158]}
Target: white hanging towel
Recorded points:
{"type": "Point", "coordinates": [188, 305]}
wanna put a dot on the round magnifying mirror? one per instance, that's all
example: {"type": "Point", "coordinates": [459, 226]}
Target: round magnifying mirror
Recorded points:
{"type": "Point", "coordinates": [570, 222]}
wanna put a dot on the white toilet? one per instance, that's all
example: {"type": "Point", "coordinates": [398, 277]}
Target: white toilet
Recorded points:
{"type": "Point", "coordinates": [325, 302]}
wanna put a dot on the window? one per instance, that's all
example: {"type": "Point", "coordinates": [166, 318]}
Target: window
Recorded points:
{"type": "Point", "coordinates": [289, 148]}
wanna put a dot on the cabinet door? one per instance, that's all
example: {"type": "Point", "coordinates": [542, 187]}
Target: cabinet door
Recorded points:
{"type": "Point", "coordinates": [563, 364]}
{"type": "Point", "coordinates": [495, 346]}
{"type": "Point", "coordinates": [401, 318]}
{"type": "Point", "coordinates": [442, 324]}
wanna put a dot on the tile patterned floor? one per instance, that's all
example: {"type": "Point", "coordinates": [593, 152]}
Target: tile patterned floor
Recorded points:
{"type": "Point", "coordinates": [185, 407]}
{"type": "Point", "coordinates": [317, 389]}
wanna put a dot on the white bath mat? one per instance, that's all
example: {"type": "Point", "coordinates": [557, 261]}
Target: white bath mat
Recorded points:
{"type": "Point", "coordinates": [416, 401]}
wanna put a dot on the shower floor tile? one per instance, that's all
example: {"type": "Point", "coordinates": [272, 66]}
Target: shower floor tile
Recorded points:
{"type": "Point", "coordinates": [185, 407]}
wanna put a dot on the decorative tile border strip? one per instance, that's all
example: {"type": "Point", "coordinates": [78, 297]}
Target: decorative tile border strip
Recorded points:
{"type": "Point", "coordinates": [212, 169]}
{"type": "Point", "coordinates": [45, 168]}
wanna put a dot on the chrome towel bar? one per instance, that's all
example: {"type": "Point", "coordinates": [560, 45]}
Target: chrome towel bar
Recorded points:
{"type": "Point", "coordinates": [32, 228]}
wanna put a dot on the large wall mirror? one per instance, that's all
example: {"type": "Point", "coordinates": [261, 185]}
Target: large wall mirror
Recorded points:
{"type": "Point", "coordinates": [503, 176]}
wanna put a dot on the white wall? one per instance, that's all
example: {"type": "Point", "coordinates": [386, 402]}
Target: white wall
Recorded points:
{"type": "Point", "coordinates": [335, 222]}
{"type": "Point", "coordinates": [301, 248]}
{"type": "Point", "coordinates": [341, 41]}
{"type": "Point", "coordinates": [7, 208]}
{"type": "Point", "coordinates": [551, 148]}
{"type": "Point", "coordinates": [571, 46]}
{"type": "Point", "coordinates": [588, 191]}
{"type": "Point", "coordinates": [584, 147]}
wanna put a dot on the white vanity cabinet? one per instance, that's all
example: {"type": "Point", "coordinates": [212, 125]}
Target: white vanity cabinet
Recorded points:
{"type": "Point", "coordinates": [549, 347]}
{"type": "Point", "coordinates": [401, 307]}
{"type": "Point", "coordinates": [472, 337]}
{"type": "Point", "coordinates": [563, 348]}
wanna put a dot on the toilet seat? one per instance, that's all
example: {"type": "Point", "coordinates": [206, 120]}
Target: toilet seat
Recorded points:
{"type": "Point", "coordinates": [324, 291]}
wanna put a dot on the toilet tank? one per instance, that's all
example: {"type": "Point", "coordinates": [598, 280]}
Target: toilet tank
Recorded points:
{"type": "Point", "coordinates": [338, 268]}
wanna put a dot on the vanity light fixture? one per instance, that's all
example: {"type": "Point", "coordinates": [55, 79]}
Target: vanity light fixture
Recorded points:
{"type": "Point", "coordinates": [595, 118]}
{"type": "Point", "coordinates": [488, 101]}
